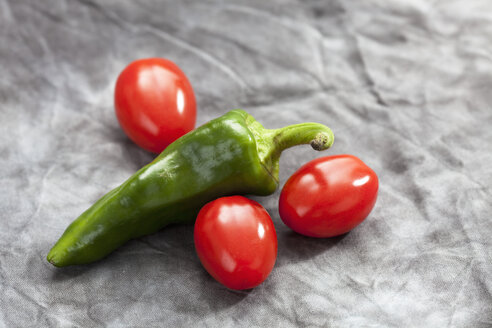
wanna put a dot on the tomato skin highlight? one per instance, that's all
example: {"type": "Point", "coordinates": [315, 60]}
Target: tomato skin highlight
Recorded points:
{"type": "Point", "coordinates": [154, 103]}
{"type": "Point", "coordinates": [328, 196]}
{"type": "Point", "coordinates": [236, 242]}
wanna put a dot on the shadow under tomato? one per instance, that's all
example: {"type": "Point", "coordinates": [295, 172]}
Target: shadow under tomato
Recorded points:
{"type": "Point", "coordinates": [138, 157]}
{"type": "Point", "coordinates": [294, 247]}
{"type": "Point", "coordinates": [218, 297]}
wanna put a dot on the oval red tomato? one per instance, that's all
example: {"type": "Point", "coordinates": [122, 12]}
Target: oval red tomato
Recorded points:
{"type": "Point", "coordinates": [154, 103]}
{"type": "Point", "coordinates": [328, 196]}
{"type": "Point", "coordinates": [236, 241]}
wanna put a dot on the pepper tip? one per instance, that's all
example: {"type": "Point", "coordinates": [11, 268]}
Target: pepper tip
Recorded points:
{"type": "Point", "coordinates": [51, 259]}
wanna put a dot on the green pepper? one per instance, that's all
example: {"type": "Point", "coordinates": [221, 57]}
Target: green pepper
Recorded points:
{"type": "Point", "coordinates": [232, 154]}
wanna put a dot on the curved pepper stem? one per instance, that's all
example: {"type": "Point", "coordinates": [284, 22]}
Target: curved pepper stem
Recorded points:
{"type": "Point", "coordinates": [317, 135]}
{"type": "Point", "coordinates": [271, 143]}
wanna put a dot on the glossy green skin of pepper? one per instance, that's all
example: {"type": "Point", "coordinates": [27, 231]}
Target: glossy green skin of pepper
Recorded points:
{"type": "Point", "coordinates": [232, 154]}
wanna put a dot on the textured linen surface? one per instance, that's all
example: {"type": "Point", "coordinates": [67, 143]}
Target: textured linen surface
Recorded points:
{"type": "Point", "coordinates": [405, 86]}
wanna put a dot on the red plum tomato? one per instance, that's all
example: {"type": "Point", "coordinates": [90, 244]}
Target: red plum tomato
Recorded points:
{"type": "Point", "coordinates": [328, 196]}
{"type": "Point", "coordinates": [236, 241]}
{"type": "Point", "coordinates": [154, 103]}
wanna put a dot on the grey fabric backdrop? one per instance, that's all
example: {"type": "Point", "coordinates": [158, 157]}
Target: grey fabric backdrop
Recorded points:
{"type": "Point", "coordinates": [406, 86]}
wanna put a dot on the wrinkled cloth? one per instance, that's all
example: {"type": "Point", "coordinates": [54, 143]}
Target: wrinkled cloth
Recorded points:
{"type": "Point", "coordinates": [405, 86]}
